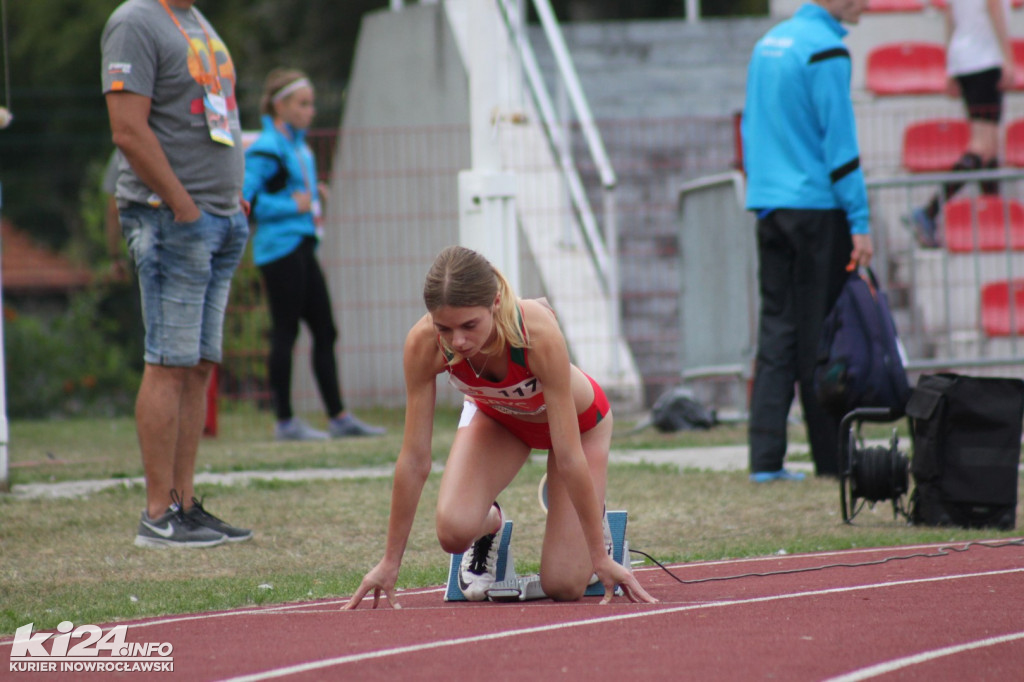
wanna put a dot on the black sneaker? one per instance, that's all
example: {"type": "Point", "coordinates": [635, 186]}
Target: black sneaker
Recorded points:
{"type": "Point", "coordinates": [175, 529]}
{"type": "Point", "coordinates": [204, 518]}
{"type": "Point", "coordinates": [479, 567]}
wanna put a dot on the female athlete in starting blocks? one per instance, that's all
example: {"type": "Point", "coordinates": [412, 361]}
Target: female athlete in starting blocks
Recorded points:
{"type": "Point", "coordinates": [510, 359]}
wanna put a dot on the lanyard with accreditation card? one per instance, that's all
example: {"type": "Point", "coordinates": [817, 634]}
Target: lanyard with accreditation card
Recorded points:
{"type": "Point", "coordinates": [215, 104]}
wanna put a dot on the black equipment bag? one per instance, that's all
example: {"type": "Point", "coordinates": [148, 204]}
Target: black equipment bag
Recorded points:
{"type": "Point", "coordinates": [677, 410]}
{"type": "Point", "coordinates": [967, 444]}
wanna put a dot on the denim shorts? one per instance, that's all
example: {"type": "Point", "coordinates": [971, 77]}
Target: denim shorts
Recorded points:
{"type": "Point", "coordinates": [184, 272]}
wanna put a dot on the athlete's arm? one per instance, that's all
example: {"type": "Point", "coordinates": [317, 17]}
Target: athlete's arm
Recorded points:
{"type": "Point", "coordinates": [549, 362]}
{"type": "Point", "coordinates": [1000, 28]}
{"type": "Point", "coordinates": [421, 362]}
{"type": "Point", "coordinates": [952, 84]}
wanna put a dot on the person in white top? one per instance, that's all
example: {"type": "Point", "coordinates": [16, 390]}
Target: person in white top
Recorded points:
{"type": "Point", "coordinates": [979, 62]}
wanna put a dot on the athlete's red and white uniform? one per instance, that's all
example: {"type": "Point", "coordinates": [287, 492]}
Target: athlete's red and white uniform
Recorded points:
{"type": "Point", "coordinates": [519, 394]}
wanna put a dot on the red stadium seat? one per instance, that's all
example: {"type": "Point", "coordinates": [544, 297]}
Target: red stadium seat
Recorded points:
{"type": "Point", "coordinates": [934, 145]}
{"type": "Point", "coordinates": [1013, 149]}
{"type": "Point", "coordinates": [1017, 45]}
{"type": "Point", "coordinates": [941, 4]}
{"type": "Point", "coordinates": [990, 214]}
{"type": "Point", "coordinates": [908, 68]}
{"type": "Point", "coordinates": [995, 308]}
{"type": "Point", "coordinates": [895, 5]}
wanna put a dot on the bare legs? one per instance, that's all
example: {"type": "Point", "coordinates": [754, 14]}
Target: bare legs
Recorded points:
{"type": "Point", "coordinates": [483, 461]}
{"type": "Point", "coordinates": [565, 566]}
{"type": "Point", "coordinates": [169, 414]}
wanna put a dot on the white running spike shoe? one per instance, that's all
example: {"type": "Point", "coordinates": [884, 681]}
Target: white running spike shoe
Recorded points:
{"type": "Point", "coordinates": [479, 567]}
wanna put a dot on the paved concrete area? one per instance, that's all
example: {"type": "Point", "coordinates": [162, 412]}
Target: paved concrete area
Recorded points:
{"type": "Point", "coordinates": [722, 458]}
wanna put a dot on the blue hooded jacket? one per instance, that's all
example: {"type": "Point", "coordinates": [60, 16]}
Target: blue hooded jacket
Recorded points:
{"type": "Point", "coordinates": [799, 134]}
{"type": "Point", "coordinates": [272, 174]}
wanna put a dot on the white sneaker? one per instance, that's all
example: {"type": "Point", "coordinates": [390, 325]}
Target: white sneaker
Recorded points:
{"type": "Point", "coordinates": [479, 567]}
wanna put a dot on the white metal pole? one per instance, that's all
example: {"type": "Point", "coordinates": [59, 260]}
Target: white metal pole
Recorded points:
{"type": "Point", "coordinates": [565, 147]}
{"type": "Point", "coordinates": [487, 217]}
{"type": "Point", "coordinates": [5, 485]}
{"type": "Point", "coordinates": [484, 86]}
{"type": "Point", "coordinates": [572, 84]}
{"type": "Point", "coordinates": [611, 235]}
{"type": "Point", "coordinates": [692, 11]}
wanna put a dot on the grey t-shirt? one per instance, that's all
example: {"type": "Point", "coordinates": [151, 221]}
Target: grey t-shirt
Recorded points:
{"type": "Point", "coordinates": [145, 53]}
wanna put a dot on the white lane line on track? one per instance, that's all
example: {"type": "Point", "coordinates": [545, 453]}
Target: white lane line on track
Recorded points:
{"type": "Point", "coordinates": [310, 666]}
{"type": "Point", "coordinates": [428, 590]}
{"type": "Point", "coordinates": [244, 611]}
{"type": "Point", "coordinates": [923, 657]}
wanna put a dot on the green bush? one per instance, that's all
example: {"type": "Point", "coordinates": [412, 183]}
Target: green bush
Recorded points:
{"type": "Point", "coordinates": [82, 362]}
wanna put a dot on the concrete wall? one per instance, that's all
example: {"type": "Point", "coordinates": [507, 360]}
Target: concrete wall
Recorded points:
{"type": "Point", "coordinates": [408, 76]}
{"type": "Point", "coordinates": [387, 219]}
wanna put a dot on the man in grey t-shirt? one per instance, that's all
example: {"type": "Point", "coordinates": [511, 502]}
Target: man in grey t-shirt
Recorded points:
{"type": "Point", "coordinates": [169, 84]}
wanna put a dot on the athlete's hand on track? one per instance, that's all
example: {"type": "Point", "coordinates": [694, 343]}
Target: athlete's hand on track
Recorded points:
{"type": "Point", "coordinates": [381, 579]}
{"type": "Point", "coordinates": [612, 574]}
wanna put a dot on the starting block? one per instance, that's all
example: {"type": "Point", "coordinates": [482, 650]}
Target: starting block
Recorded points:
{"type": "Point", "coordinates": [512, 587]}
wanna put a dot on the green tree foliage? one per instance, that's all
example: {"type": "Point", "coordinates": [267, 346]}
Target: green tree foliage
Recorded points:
{"type": "Point", "coordinates": [52, 156]}
{"type": "Point", "coordinates": [59, 119]}
{"type": "Point", "coordinates": [61, 124]}
{"type": "Point", "coordinates": [76, 363]}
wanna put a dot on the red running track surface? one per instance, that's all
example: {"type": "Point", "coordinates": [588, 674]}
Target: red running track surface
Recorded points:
{"type": "Point", "coordinates": [930, 613]}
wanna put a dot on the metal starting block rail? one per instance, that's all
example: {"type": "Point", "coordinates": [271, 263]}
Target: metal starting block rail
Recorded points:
{"type": "Point", "coordinates": [512, 587]}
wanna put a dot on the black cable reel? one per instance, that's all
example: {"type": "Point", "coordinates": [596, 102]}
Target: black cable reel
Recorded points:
{"type": "Point", "coordinates": [868, 475]}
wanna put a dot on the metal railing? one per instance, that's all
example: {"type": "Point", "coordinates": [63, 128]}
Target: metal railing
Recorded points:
{"type": "Point", "coordinates": [943, 286]}
{"type": "Point", "coordinates": [935, 292]}
{"type": "Point", "coordinates": [603, 248]}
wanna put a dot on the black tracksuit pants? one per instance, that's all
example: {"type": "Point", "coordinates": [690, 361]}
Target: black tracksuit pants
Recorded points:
{"type": "Point", "coordinates": [802, 258]}
{"type": "Point", "coordinates": [297, 291]}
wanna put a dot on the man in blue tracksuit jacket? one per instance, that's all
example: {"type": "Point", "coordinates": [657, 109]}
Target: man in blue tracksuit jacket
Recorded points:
{"type": "Point", "coordinates": [806, 185]}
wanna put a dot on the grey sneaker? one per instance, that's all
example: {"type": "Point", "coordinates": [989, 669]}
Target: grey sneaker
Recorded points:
{"type": "Point", "coordinates": [479, 567]}
{"type": "Point", "coordinates": [175, 529]}
{"type": "Point", "coordinates": [296, 429]}
{"type": "Point", "coordinates": [350, 425]}
{"type": "Point", "coordinates": [925, 229]}
{"type": "Point", "coordinates": [204, 518]}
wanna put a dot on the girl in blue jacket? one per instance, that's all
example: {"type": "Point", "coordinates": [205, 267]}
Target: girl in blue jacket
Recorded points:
{"type": "Point", "coordinates": [281, 184]}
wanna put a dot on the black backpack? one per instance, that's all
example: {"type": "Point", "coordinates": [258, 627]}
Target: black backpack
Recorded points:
{"type": "Point", "coordinates": [677, 410]}
{"type": "Point", "coordinates": [860, 361]}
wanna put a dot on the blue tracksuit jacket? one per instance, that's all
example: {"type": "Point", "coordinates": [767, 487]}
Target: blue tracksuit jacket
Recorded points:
{"type": "Point", "coordinates": [799, 134]}
{"type": "Point", "coordinates": [272, 175]}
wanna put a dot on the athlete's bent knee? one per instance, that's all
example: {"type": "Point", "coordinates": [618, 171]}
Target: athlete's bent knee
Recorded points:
{"type": "Point", "coordinates": [563, 590]}
{"type": "Point", "coordinates": [455, 538]}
